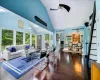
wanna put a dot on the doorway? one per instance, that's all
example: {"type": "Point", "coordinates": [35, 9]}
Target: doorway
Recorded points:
{"type": "Point", "coordinates": [39, 41]}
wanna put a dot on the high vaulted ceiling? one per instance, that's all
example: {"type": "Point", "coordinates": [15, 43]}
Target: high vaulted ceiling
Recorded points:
{"type": "Point", "coordinates": [29, 9]}
{"type": "Point", "coordinates": [78, 15]}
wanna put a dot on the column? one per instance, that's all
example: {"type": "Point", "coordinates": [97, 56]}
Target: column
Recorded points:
{"type": "Point", "coordinates": [24, 38]}
{"type": "Point", "coordinates": [0, 40]}
{"type": "Point", "coordinates": [43, 42]}
{"type": "Point", "coordinates": [65, 42]}
{"type": "Point", "coordinates": [14, 37]}
{"type": "Point", "coordinates": [31, 39]}
{"type": "Point", "coordinates": [50, 43]}
{"type": "Point", "coordinates": [54, 38]}
{"type": "Point", "coordinates": [84, 41]}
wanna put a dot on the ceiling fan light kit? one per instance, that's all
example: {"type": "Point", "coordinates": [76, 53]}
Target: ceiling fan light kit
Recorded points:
{"type": "Point", "coordinates": [61, 6]}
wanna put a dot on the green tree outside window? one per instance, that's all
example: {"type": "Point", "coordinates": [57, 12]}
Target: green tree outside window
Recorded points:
{"type": "Point", "coordinates": [33, 40]}
{"type": "Point", "coordinates": [7, 38]}
{"type": "Point", "coordinates": [27, 38]}
{"type": "Point", "coordinates": [47, 37]}
{"type": "Point", "coordinates": [19, 38]}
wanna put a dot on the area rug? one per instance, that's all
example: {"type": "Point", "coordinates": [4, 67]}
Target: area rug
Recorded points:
{"type": "Point", "coordinates": [18, 67]}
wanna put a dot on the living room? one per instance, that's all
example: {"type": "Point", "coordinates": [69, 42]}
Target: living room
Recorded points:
{"type": "Point", "coordinates": [49, 39]}
{"type": "Point", "coordinates": [20, 40]}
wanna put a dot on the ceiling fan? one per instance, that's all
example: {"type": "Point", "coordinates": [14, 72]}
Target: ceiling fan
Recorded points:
{"type": "Point", "coordinates": [61, 6]}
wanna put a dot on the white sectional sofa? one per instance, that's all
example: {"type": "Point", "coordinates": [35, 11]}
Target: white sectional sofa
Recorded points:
{"type": "Point", "coordinates": [20, 50]}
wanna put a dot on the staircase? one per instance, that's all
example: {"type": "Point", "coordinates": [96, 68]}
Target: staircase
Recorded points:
{"type": "Point", "coordinates": [92, 45]}
{"type": "Point", "coordinates": [93, 48]}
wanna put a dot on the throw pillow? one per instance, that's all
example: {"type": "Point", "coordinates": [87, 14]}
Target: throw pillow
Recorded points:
{"type": "Point", "coordinates": [14, 49]}
{"type": "Point", "coordinates": [27, 46]}
{"type": "Point", "coordinates": [11, 49]}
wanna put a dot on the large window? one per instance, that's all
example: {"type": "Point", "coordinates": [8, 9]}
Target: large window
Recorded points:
{"type": "Point", "coordinates": [47, 37]}
{"type": "Point", "coordinates": [27, 38]}
{"type": "Point", "coordinates": [33, 40]}
{"type": "Point", "coordinates": [19, 38]}
{"type": "Point", "coordinates": [7, 38]}
{"type": "Point", "coordinates": [69, 38]}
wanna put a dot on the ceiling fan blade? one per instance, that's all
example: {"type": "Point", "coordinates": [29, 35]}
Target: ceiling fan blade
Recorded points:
{"type": "Point", "coordinates": [65, 6]}
{"type": "Point", "coordinates": [53, 9]}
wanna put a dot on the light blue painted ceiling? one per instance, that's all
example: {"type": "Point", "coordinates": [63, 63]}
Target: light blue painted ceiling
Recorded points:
{"type": "Point", "coordinates": [28, 9]}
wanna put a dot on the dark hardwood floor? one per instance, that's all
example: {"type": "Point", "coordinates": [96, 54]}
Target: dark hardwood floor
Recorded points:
{"type": "Point", "coordinates": [70, 67]}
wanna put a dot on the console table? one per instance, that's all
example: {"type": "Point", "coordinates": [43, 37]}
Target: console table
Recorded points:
{"type": "Point", "coordinates": [70, 51]}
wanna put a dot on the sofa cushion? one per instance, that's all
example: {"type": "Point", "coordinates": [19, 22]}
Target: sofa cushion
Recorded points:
{"type": "Point", "coordinates": [20, 47]}
{"type": "Point", "coordinates": [14, 53]}
{"type": "Point", "coordinates": [21, 51]}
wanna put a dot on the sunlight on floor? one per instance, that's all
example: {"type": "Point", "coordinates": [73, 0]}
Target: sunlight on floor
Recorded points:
{"type": "Point", "coordinates": [78, 68]}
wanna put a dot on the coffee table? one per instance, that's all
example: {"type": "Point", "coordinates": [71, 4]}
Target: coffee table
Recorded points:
{"type": "Point", "coordinates": [32, 54]}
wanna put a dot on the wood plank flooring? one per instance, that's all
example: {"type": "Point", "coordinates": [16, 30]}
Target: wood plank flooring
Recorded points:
{"type": "Point", "coordinates": [70, 67]}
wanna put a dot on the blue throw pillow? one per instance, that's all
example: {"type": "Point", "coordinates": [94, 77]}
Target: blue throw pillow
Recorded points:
{"type": "Point", "coordinates": [27, 46]}
{"type": "Point", "coordinates": [14, 49]}
{"type": "Point", "coordinates": [11, 49]}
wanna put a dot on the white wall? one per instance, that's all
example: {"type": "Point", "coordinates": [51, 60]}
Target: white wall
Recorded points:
{"type": "Point", "coordinates": [0, 39]}
{"type": "Point", "coordinates": [98, 36]}
{"type": "Point", "coordinates": [78, 15]}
